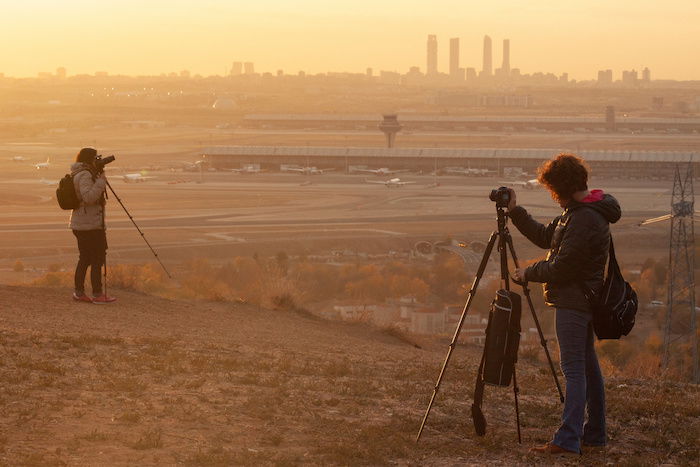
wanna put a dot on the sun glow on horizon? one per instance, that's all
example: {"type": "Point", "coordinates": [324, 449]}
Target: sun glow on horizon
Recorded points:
{"type": "Point", "coordinates": [206, 36]}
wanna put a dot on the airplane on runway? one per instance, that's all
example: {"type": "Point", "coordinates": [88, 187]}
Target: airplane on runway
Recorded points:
{"type": "Point", "coordinates": [248, 170]}
{"type": "Point", "coordinates": [43, 165]}
{"type": "Point", "coordinates": [392, 183]}
{"type": "Point", "coordinates": [136, 178]}
{"type": "Point", "coordinates": [18, 159]}
{"type": "Point", "coordinates": [466, 171]}
{"type": "Point", "coordinates": [308, 170]}
{"type": "Point", "coordinates": [382, 171]}
{"type": "Point", "coordinates": [527, 184]}
{"type": "Point", "coordinates": [195, 166]}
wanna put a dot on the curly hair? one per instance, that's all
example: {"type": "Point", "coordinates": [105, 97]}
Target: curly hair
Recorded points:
{"type": "Point", "coordinates": [563, 175]}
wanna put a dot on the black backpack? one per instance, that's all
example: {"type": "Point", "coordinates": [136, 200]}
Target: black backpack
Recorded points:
{"type": "Point", "coordinates": [615, 306]}
{"type": "Point", "coordinates": [65, 193]}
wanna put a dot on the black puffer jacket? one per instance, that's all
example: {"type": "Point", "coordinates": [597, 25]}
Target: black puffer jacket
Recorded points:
{"type": "Point", "coordinates": [578, 242]}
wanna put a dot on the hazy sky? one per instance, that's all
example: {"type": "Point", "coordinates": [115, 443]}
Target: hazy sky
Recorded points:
{"type": "Point", "coordinates": [205, 36]}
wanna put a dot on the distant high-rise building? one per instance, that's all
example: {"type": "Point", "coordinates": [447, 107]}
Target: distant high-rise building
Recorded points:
{"type": "Point", "coordinates": [630, 77]}
{"type": "Point", "coordinates": [369, 72]}
{"type": "Point", "coordinates": [432, 55]}
{"type": "Point", "coordinates": [605, 77]}
{"type": "Point", "coordinates": [487, 69]}
{"type": "Point", "coordinates": [471, 74]}
{"type": "Point", "coordinates": [454, 57]}
{"type": "Point", "coordinates": [646, 75]}
{"type": "Point", "coordinates": [564, 78]}
{"type": "Point", "coordinates": [249, 68]}
{"type": "Point", "coordinates": [237, 68]}
{"type": "Point", "coordinates": [505, 68]}
{"type": "Point", "coordinates": [280, 72]}
{"type": "Point", "coordinates": [60, 72]}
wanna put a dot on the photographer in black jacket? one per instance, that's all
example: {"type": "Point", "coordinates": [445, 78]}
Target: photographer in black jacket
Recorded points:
{"type": "Point", "coordinates": [578, 242]}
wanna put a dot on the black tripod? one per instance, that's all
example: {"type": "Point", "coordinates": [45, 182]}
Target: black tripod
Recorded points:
{"type": "Point", "coordinates": [505, 245]}
{"type": "Point", "coordinates": [139, 230]}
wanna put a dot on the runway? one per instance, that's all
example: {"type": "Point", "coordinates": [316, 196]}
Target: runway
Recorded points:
{"type": "Point", "coordinates": [230, 214]}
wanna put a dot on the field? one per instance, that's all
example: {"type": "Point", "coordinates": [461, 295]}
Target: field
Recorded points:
{"type": "Point", "coordinates": [170, 380]}
{"type": "Point", "coordinates": [213, 214]}
{"type": "Point", "coordinates": [153, 381]}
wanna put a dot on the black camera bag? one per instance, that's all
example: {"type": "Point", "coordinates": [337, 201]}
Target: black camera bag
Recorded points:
{"type": "Point", "coordinates": [500, 350]}
{"type": "Point", "coordinates": [502, 338]}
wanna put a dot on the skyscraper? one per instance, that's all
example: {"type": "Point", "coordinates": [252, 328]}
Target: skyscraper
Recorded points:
{"type": "Point", "coordinates": [237, 68]}
{"type": "Point", "coordinates": [487, 69]}
{"type": "Point", "coordinates": [505, 68]}
{"type": "Point", "coordinates": [454, 57]}
{"type": "Point", "coordinates": [432, 55]}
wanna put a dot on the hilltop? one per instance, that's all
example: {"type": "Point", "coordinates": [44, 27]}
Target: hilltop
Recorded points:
{"type": "Point", "coordinates": [155, 381]}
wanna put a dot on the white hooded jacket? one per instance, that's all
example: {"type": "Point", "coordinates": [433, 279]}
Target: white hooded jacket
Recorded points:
{"type": "Point", "coordinates": [90, 214]}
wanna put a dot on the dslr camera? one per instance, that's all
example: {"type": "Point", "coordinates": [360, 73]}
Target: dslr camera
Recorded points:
{"type": "Point", "coordinates": [100, 162]}
{"type": "Point", "coordinates": [500, 196]}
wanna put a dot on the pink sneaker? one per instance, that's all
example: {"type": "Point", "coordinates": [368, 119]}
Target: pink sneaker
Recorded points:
{"type": "Point", "coordinates": [81, 297]}
{"type": "Point", "coordinates": [103, 299]}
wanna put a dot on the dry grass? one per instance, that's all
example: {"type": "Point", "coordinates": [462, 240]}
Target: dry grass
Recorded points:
{"type": "Point", "coordinates": [322, 400]}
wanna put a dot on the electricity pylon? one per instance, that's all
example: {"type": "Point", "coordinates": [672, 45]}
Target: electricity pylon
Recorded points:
{"type": "Point", "coordinates": [681, 272]}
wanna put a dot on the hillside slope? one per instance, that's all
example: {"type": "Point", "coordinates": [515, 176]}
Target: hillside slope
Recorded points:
{"type": "Point", "coordinates": [154, 381]}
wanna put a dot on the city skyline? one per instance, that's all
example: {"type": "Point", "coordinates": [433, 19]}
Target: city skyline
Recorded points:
{"type": "Point", "coordinates": [126, 37]}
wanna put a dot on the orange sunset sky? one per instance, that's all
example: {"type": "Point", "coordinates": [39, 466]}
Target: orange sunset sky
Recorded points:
{"type": "Point", "coordinates": [205, 36]}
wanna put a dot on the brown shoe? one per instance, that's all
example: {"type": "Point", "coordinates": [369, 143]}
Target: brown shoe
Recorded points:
{"type": "Point", "coordinates": [552, 449]}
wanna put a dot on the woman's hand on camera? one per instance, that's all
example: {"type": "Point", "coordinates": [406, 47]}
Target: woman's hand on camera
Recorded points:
{"type": "Point", "coordinates": [512, 203]}
{"type": "Point", "coordinates": [519, 274]}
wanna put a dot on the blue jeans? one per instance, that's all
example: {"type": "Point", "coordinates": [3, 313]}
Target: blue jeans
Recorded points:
{"type": "Point", "coordinates": [585, 389]}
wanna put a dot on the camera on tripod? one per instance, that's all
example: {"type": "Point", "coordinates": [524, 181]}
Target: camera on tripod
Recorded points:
{"type": "Point", "coordinates": [500, 196]}
{"type": "Point", "coordinates": [100, 162]}
{"type": "Point", "coordinates": [500, 352]}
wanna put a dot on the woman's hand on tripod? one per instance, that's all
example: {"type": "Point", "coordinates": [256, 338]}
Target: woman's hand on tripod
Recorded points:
{"type": "Point", "coordinates": [519, 274]}
{"type": "Point", "coordinates": [512, 203]}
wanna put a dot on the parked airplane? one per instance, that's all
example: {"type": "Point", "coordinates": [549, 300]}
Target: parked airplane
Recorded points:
{"type": "Point", "coordinates": [466, 171]}
{"type": "Point", "coordinates": [136, 178]}
{"type": "Point", "coordinates": [248, 170]}
{"type": "Point", "coordinates": [43, 165]}
{"type": "Point", "coordinates": [308, 170]}
{"type": "Point", "coordinates": [18, 159]}
{"type": "Point", "coordinates": [392, 183]}
{"type": "Point", "coordinates": [43, 181]}
{"type": "Point", "coordinates": [382, 171]}
{"type": "Point", "coordinates": [527, 184]}
{"type": "Point", "coordinates": [195, 166]}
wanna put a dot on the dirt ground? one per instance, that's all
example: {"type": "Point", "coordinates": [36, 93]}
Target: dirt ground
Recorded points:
{"type": "Point", "coordinates": [151, 381]}
{"type": "Point", "coordinates": [154, 381]}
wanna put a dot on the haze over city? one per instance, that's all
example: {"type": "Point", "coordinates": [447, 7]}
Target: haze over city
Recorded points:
{"type": "Point", "coordinates": [287, 210]}
{"type": "Point", "coordinates": [130, 37]}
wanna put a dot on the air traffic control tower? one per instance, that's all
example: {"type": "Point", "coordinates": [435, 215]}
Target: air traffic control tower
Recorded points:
{"type": "Point", "coordinates": [390, 126]}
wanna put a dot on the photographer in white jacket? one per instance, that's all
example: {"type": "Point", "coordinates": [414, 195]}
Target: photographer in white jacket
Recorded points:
{"type": "Point", "coordinates": [88, 225]}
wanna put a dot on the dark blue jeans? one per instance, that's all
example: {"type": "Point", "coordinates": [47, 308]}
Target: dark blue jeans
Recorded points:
{"type": "Point", "coordinates": [583, 419]}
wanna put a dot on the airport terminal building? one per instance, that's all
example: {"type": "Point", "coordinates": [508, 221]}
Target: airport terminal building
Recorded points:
{"type": "Point", "coordinates": [500, 162]}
